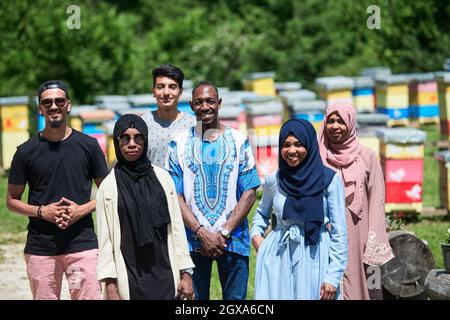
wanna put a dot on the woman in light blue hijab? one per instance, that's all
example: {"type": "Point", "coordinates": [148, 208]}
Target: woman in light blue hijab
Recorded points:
{"type": "Point", "coordinates": [305, 256]}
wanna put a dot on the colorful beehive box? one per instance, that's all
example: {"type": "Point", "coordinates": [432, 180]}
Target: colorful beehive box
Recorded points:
{"type": "Point", "coordinates": [14, 127]}
{"type": "Point", "coordinates": [423, 98]}
{"type": "Point", "coordinates": [238, 96]}
{"type": "Point", "coordinates": [264, 115]}
{"type": "Point", "coordinates": [376, 72]}
{"type": "Point", "coordinates": [266, 154]}
{"type": "Point", "coordinates": [262, 83]}
{"type": "Point", "coordinates": [443, 158]}
{"type": "Point", "coordinates": [402, 151]}
{"type": "Point", "coordinates": [287, 86]}
{"type": "Point", "coordinates": [392, 99]}
{"type": "Point", "coordinates": [112, 102]}
{"type": "Point", "coordinates": [404, 179]}
{"type": "Point", "coordinates": [367, 125]}
{"type": "Point", "coordinates": [230, 114]}
{"type": "Point", "coordinates": [373, 73]}
{"type": "Point", "coordinates": [8, 145]}
{"type": "Point", "coordinates": [364, 94]}
{"type": "Point", "coordinates": [402, 166]}
{"type": "Point", "coordinates": [443, 86]}
{"type": "Point", "coordinates": [335, 89]}
{"type": "Point", "coordinates": [93, 124]}
{"type": "Point", "coordinates": [289, 98]}
{"type": "Point", "coordinates": [147, 101]}
{"type": "Point", "coordinates": [312, 110]}
{"type": "Point", "coordinates": [142, 101]}
{"type": "Point", "coordinates": [14, 114]}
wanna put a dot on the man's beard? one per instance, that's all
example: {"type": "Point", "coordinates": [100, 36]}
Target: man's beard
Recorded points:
{"type": "Point", "coordinates": [55, 124]}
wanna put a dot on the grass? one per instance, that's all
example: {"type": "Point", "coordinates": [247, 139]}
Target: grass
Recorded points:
{"type": "Point", "coordinates": [13, 226]}
{"type": "Point", "coordinates": [431, 229]}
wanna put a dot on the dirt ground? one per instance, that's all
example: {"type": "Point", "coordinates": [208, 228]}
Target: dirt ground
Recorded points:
{"type": "Point", "coordinates": [14, 283]}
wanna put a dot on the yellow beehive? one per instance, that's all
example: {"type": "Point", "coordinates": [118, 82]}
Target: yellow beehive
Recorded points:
{"type": "Point", "coordinates": [267, 130]}
{"type": "Point", "coordinates": [9, 142]}
{"type": "Point", "coordinates": [392, 92]}
{"type": "Point", "coordinates": [14, 127]}
{"type": "Point", "coordinates": [333, 96]}
{"type": "Point", "coordinates": [14, 118]}
{"type": "Point", "coordinates": [317, 125]}
{"type": "Point", "coordinates": [363, 94]}
{"type": "Point", "coordinates": [262, 83]}
{"type": "Point", "coordinates": [402, 151]}
{"type": "Point", "coordinates": [426, 98]}
{"type": "Point", "coordinates": [76, 123]}
{"type": "Point", "coordinates": [111, 156]}
{"type": "Point", "coordinates": [398, 122]}
{"type": "Point", "coordinates": [333, 89]}
{"type": "Point", "coordinates": [397, 100]}
{"type": "Point", "coordinates": [364, 103]}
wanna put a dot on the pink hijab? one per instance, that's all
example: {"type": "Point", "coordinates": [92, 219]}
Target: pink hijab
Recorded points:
{"type": "Point", "coordinates": [345, 155]}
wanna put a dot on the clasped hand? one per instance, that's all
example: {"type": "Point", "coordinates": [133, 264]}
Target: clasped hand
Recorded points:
{"type": "Point", "coordinates": [63, 213]}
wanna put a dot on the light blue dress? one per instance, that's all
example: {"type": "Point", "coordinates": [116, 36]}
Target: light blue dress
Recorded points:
{"type": "Point", "coordinates": [286, 269]}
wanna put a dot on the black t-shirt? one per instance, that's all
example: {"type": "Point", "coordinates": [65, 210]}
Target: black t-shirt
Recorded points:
{"type": "Point", "coordinates": [54, 170]}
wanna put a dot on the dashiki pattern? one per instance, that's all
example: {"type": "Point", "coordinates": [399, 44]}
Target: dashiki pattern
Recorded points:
{"type": "Point", "coordinates": [212, 176]}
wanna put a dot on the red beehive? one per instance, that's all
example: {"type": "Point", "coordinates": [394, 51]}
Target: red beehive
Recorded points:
{"type": "Point", "coordinates": [403, 180]}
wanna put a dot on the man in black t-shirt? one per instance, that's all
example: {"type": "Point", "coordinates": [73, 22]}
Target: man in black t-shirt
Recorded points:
{"type": "Point", "coordinates": [59, 165]}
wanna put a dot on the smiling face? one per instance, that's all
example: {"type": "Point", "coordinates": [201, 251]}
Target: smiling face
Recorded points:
{"type": "Point", "coordinates": [292, 151]}
{"type": "Point", "coordinates": [336, 129]}
{"type": "Point", "coordinates": [131, 143]}
{"type": "Point", "coordinates": [167, 92]}
{"type": "Point", "coordinates": [54, 106]}
{"type": "Point", "coordinates": [206, 104]}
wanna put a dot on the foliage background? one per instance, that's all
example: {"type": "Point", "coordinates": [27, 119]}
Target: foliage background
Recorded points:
{"type": "Point", "coordinates": [121, 41]}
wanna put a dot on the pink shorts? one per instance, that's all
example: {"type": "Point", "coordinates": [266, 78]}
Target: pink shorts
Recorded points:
{"type": "Point", "coordinates": [46, 272]}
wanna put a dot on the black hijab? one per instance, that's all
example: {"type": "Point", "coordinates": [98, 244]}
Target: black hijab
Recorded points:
{"type": "Point", "coordinates": [304, 184]}
{"type": "Point", "coordinates": [140, 194]}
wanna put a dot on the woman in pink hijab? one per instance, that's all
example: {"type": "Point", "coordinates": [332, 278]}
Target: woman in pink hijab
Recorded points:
{"type": "Point", "coordinates": [361, 174]}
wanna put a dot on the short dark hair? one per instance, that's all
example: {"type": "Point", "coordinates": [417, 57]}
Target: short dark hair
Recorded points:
{"type": "Point", "coordinates": [205, 83]}
{"type": "Point", "coordinates": [170, 71]}
{"type": "Point", "coordinates": [52, 84]}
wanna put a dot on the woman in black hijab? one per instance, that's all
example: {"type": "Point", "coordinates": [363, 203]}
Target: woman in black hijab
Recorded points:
{"type": "Point", "coordinates": [150, 239]}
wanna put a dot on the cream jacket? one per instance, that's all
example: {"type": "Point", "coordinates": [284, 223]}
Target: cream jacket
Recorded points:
{"type": "Point", "coordinates": [110, 260]}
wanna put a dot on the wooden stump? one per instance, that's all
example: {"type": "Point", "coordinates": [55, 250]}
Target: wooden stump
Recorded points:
{"type": "Point", "coordinates": [437, 285]}
{"type": "Point", "coordinates": [404, 276]}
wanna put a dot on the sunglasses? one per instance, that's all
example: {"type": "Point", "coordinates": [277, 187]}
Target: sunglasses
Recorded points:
{"type": "Point", "coordinates": [126, 138]}
{"type": "Point", "coordinates": [47, 103]}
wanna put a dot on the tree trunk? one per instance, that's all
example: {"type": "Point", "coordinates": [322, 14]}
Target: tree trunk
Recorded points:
{"type": "Point", "coordinates": [404, 276]}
